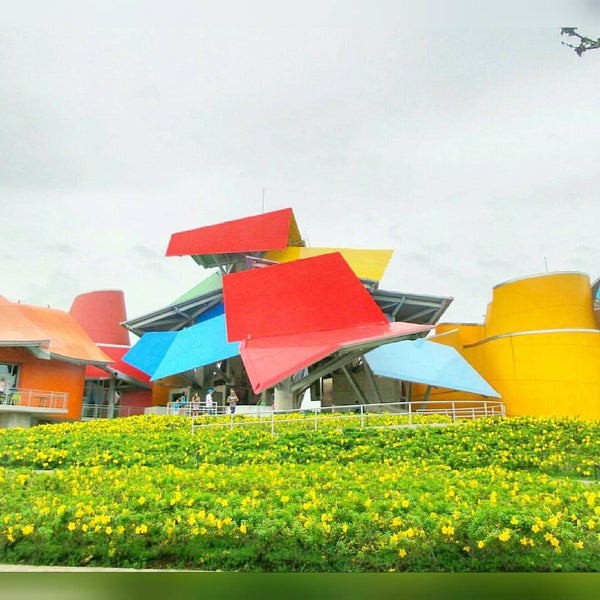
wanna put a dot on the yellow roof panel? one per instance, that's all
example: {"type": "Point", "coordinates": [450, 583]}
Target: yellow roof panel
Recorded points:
{"type": "Point", "coordinates": [367, 264]}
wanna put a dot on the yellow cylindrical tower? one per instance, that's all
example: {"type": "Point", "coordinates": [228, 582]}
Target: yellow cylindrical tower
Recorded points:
{"type": "Point", "coordinates": [541, 349]}
{"type": "Point", "coordinates": [542, 302]}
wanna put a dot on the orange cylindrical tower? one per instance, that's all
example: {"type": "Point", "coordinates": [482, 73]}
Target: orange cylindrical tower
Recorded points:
{"type": "Point", "coordinates": [101, 313]}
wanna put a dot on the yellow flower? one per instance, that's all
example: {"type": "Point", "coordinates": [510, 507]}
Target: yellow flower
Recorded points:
{"type": "Point", "coordinates": [504, 536]}
{"type": "Point", "coordinates": [397, 522]}
{"type": "Point", "coordinates": [27, 529]}
{"type": "Point", "coordinates": [579, 545]}
{"type": "Point", "coordinates": [405, 503]}
{"type": "Point", "coordinates": [108, 530]}
{"type": "Point", "coordinates": [514, 521]}
{"type": "Point", "coordinates": [402, 553]}
{"type": "Point", "coordinates": [71, 526]}
{"type": "Point", "coordinates": [243, 528]}
{"type": "Point", "coordinates": [480, 544]}
{"type": "Point", "coordinates": [448, 530]}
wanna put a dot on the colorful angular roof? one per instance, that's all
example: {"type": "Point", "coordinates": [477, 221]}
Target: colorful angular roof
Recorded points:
{"type": "Point", "coordinates": [48, 332]}
{"type": "Point", "coordinates": [289, 316]}
{"type": "Point", "coordinates": [286, 307]}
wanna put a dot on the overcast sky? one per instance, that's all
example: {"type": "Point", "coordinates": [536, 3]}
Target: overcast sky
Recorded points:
{"type": "Point", "coordinates": [461, 135]}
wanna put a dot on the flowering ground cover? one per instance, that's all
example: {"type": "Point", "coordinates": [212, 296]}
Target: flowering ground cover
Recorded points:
{"type": "Point", "coordinates": [493, 495]}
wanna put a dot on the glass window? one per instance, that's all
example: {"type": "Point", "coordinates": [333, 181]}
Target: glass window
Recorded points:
{"type": "Point", "coordinates": [9, 376]}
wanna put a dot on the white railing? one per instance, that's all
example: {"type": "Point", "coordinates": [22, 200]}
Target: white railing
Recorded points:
{"type": "Point", "coordinates": [109, 411]}
{"type": "Point", "coordinates": [462, 409]}
{"type": "Point", "coordinates": [190, 409]}
{"type": "Point", "coordinates": [410, 414]}
{"type": "Point", "coordinates": [20, 397]}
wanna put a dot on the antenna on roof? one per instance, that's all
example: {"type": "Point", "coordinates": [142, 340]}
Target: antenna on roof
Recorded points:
{"type": "Point", "coordinates": [546, 263]}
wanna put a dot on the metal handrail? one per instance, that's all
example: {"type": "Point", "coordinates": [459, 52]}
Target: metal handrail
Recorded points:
{"type": "Point", "coordinates": [452, 411]}
{"type": "Point", "coordinates": [23, 397]}
{"type": "Point", "coordinates": [109, 411]}
{"type": "Point", "coordinates": [189, 409]}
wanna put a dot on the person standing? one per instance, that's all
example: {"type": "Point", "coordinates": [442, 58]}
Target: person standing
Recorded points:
{"type": "Point", "coordinates": [209, 402]}
{"type": "Point", "coordinates": [232, 400]}
{"type": "Point", "coordinates": [195, 404]}
{"type": "Point", "coordinates": [182, 403]}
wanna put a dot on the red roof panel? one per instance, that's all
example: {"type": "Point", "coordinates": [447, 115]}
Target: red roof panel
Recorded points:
{"type": "Point", "coordinates": [269, 231]}
{"type": "Point", "coordinates": [270, 360]}
{"type": "Point", "coordinates": [306, 295]}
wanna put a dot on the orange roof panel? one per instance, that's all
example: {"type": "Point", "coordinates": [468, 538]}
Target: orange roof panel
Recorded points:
{"type": "Point", "coordinates": [52, 330]}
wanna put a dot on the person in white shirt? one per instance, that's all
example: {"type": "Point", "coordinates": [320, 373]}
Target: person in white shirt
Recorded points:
{"type": "Point", "coordinates": [209, 402]}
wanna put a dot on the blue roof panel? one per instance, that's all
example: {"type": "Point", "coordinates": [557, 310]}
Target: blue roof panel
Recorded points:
{"type": "Point", "coordinates": [430, 363]}
{"type": "Point", "coordinates": [149, 350]}
{"type": "Point", "coordinates": [202, 344]}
